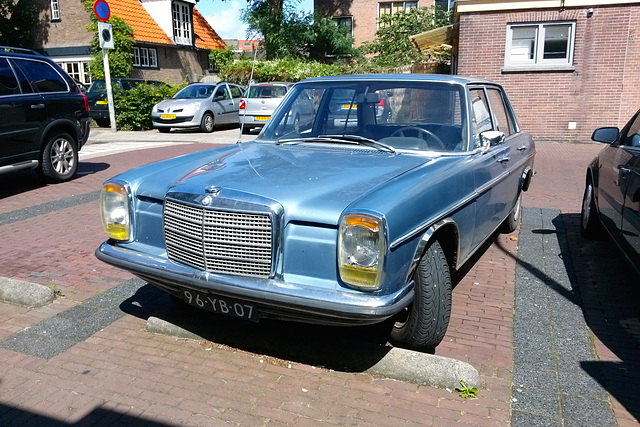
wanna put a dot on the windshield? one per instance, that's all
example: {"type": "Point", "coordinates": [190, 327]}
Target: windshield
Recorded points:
{"type": "Point", "coordinates": [195, 92]}
{"type": "Point", "coordinates": [403, 115]}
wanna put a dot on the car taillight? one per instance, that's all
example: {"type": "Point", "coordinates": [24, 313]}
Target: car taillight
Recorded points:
{"type": "Point", "coordinates": [381, 103]}
{"type": "Point", "coordinates": [242, 104]}
{"type": "Point", "coordinates": [86, 102]}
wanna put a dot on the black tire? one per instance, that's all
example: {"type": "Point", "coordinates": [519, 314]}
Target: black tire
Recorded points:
{"type": "Point", "coordinates": [246, 129]}
{"type": "Point", "coordinates": [424, 322]}
{"type": "Point", "coordinates": [296, 124]}
{"type": "Point", "coordinates": [207, 123]}
{"type": "Point", "coordinates": [103, 123]}
{"type": "Point", "coordinates": [511, 223]}
{"type": "Point", "coordinates": [164, 130]}
{"type": "Point", "coordinates": [590, 225]}
{"type": "Point", "coordinates": [59, 159]}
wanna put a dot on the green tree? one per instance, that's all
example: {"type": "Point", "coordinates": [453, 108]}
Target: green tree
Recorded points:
{"type": "Point", "coordinates": [392, 47]}
{"type": "Point", "coordinates": [298, 35]}
{"type": "Point", "coordinates": [17, 21]}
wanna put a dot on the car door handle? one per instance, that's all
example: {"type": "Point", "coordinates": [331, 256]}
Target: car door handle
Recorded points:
{"type": "Point", "coordinates": [624, 171]}
{"type": "Point", "coordinates": [503, 160]}
{"type": "Point", "coordinates": [37, 106]}
{"type": "Point", "coordinates": [522, 148]}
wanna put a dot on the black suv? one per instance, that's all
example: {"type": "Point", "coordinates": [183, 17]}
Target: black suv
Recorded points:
{"type": "Point", "coordinates": [44, 117]}
{"type": "Point", "coordinates": [97, 96]}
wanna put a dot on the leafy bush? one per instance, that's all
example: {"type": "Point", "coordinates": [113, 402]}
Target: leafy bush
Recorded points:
{"type": "Point", "coordinates": [282, 70]}
{"type": "Point", "coordinates": [133, 107]}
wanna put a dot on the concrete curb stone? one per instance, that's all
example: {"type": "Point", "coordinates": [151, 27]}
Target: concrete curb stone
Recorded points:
{"type": "Point", "coordinates": [26, 294]}
{"type": "Point", "coordinates": [398, 363]}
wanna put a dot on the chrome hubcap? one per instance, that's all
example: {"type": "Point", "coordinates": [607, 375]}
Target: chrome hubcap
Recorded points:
{"type": "Point", "coordinates": [62, 158]}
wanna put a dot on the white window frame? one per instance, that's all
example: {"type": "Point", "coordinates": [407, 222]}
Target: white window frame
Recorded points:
{"type": "Point", "coordinates": [537, 61]}
{"type": "Point", "coordinates": [55, 10]}
{"type": "Point", "coordinates": [145, 57]}
{"type": "Point", "coordinates": [77, 69]}
{"type": "Point", "coordinates": [181, 17]}
{"type": "Point", "coordinates": [406, 6]}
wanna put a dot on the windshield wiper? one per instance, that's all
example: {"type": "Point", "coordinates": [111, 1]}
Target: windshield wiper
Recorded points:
{"type": "Point", "coordinates": [344, 139]}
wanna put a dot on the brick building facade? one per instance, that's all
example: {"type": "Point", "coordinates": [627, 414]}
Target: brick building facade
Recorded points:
{"type": "Point", "coordinates": [585, 73]}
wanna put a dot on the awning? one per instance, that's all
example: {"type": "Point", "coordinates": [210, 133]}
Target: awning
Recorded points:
{"type": "Point", "coordinates": [435, 41]}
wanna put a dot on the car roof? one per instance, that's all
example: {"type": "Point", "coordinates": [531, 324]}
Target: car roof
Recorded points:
{"type": "Point", "coordinates": [442, 78]}
{"type": "Point", "coordinates": [272, 84]}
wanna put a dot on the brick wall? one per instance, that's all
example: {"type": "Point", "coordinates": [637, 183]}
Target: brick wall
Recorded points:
{"type": "Point", "coordinates": [603, 90]}
{"type": "Point", "coordinates": [175, 65]}
{"type": "Point", "coordinates": [70, 30]}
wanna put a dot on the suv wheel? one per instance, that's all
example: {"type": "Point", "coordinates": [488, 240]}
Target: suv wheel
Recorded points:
{"type": "Point", "coordinates": [59, 160]}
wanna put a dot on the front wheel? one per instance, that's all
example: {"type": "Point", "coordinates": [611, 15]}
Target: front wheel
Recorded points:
{"type": "Point", "coordinates": [59, 159]}
{"type": "Point", "coordinates": [590, 225]}
{"type": "Point", "coordinates": [423, 324]}
{"type": "Point", "coordinates": [207, 122]}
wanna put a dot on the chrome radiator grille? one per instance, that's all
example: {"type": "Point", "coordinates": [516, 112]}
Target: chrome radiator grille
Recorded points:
{"type": "Point", "coordinates": [218, 241]}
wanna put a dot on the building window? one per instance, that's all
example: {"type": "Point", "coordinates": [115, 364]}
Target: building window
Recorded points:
{"type": "Point", "coordinates": [540, 45]}
{"type": "Point", "coordinates": [344, 21]}
{"type": "Point", "coordinates": [145, 57]}
{"type": "Point", "coordinates": [78, 70]}
{"type": "Point", "coordinates": [396, 6]}
{"type": "Point", "coordinates": [181, 23]}
{"type": "Point", "coordinates": [55, 10]}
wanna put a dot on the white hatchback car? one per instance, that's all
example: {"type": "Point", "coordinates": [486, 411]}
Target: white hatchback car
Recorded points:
{"type": "Point", "coordinates": [202, 105]}
{"type": "Point", "coordinates": [259, 102]}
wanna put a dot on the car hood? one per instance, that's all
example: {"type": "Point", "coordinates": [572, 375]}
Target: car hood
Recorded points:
{"type": "Point", "coordinates": [312, 183]}
{"type": "Point", "coordinates": [177, 104]}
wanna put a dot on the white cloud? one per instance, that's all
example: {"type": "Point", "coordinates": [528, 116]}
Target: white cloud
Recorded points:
{"type": "Point", "coordinates": [226, 20]}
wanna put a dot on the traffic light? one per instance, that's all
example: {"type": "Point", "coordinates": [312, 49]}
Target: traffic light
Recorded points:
{"type": "Point", "coordinates": [105, 34]}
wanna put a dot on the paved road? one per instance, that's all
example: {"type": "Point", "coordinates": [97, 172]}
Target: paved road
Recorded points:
{"type": "Point", "coordinates": [548, 319]}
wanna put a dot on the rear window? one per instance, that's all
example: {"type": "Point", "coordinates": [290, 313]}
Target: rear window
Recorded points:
{"type": "Point", "coordinates": [270, 91]}
{"type": "Point", "coordinates": [43, 76]}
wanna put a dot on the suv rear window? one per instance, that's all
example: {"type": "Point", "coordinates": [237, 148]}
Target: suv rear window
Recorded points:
{"type": "Point", "coordinates": [44, 77]}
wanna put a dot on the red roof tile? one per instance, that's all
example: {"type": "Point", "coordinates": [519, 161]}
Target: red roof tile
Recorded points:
{"type": "Point", "coordinates": [145, 28]}
{"type": "Point", "coordinates": [206, 37]}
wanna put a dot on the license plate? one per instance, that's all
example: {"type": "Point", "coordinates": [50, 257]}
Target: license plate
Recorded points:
{"type": "Point", "coordinates": [167, 116]}
{"type": "Point", "coordinates": [221, 305]}
{"type": "Point", "coordinates": [349, 106]}
{"type": "Point", "coordinates": [262, 118]}
{"type": "Point", "coordinates": [102, 102]}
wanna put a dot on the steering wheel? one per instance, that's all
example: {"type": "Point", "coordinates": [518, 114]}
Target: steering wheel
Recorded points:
{"type": "Point", "coordinates": [415, 131]}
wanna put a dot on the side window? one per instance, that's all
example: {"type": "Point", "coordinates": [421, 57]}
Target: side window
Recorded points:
{"type": "Point", "coordinates": [632, 138]}
{"type": "Point", "coordinates": [43, 76]}
{"type": "Point", "coordinates": [221, 91]}
{"type": "Point", "coordinates": [8, 82]}
{"type": "Point", "coordinates": [481, 120]}
{"type": "Point", "coordinates": [503, 119]}
{"type": "Point", "coordinates": [236, 91]}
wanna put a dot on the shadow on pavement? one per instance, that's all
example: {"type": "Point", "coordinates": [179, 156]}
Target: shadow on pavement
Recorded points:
{"type": "Point", "coordinates": [606, 288]}
{"type": "Point", "coordinates": [347, 349]}
{"type": "Point", "coordinates": [610, 294]}
{"type": "Point", "coordinates": [11, 416]}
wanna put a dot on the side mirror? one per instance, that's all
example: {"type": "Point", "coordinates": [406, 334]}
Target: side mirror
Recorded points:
{"type": "Point", "coordinates": [218, 98]}
{"type": "Point", "coordinates": [491, 138]}
{"type": "Point", "coordinates": [607, 135]}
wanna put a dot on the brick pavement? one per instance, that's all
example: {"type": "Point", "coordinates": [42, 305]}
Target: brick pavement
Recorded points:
{"type": "Point", "coordinates": [123, 374]}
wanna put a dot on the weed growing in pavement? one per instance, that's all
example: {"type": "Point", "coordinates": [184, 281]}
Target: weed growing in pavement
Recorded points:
{"type": "Point", "coordinates": [466, 391]}
{"type": "Point", "coordinates": [56, 292]}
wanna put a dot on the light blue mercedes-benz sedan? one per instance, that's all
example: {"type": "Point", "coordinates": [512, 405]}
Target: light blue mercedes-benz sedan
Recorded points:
{"type": "Point", "coordinates": [361, 213]}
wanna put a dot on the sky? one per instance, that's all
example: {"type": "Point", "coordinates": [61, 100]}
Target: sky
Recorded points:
{"type": "Point", "coordinates": [224, 16]}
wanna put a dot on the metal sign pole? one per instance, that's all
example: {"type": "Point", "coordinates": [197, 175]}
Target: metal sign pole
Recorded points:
{"type": "Point", "coordinates": [107, 79]}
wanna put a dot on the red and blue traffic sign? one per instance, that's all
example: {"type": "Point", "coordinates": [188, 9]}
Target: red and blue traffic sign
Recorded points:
{"type": "Point", "coordinates": [101, 9]}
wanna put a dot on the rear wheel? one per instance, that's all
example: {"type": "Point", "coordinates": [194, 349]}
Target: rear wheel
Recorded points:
{"type": "Point", "coordinates": [103, 123]}
{"type": "Point", "coordinates": [424, 322]}
{"type": "Point", "coordinates": [590, 225]}
{"type": "Point", "coordinates": [59, 159]}
{"type": "Point", "coordinates": [207, 122]}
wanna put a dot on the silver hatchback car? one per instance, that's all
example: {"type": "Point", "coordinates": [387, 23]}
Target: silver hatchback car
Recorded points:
{"type": "Point", "coordinates": [202, 105]}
